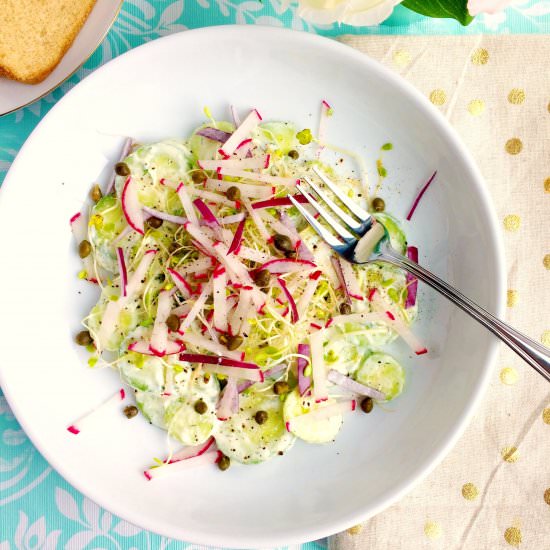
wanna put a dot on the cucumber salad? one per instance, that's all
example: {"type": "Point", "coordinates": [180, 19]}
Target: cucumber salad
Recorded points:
{"type": "Point", "coordinates": [237, 328]}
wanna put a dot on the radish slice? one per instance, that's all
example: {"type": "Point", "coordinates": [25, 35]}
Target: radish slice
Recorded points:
{"type": "Point", "coordinates": [206, 213]}
{"type": "Point", "coordinates": [204, 343]}
{"type": "Point", "coordinates": [373, 317]}
{"type": "Point", "coordinates": [419, 196]}
{"type": "Point", "coordinates": [244, 150]}
{"type": "Point", "coordinates": [236, 218]}
{"type": "Point", "coordinates": [258, 163]}
{"type": "Point", "coordinates": [247, 189]}
{"type": "Point", "coordinates": [320, 392]}
{"type": "Point", "coordinates": [214, 134]}
{"type": "Point", "coordinates": [242, 132]}
{"type": "Point", "coordinates": [304, 382]}
{"type": "Point", "coordinates": [287, 265]}
{"type": "Point", "coordinates": [351, 284]}
{"type": "Point", "coordinates": [159, 337]}
{"type": "Point", "coordinates": [210, 457]}
{"type": "Point", "coordinates": [213, 197]}
{"type": "Point", "coordinates": [191, 452]}
{"type": "Point", "coordinates": [135, 282]}
{"type": "Point", "coordinates": [303, 251]}
{"type": "Point", "coordinates": [325, 110]}
{"type": "Point", "coordinates": [131, 206]}
{"type": "Point", "coordinates": [196, 309]}
{"type": "Point", "coordinates": [252, 254]}
{"type": "Point", "coordinates": [111, 403]}
{"type": "Point", "coordinates": [257, 176]}
{"type": "Point", "coordinates": [228, 398]}
{"type": "Point", "coordinates": [411, 280]}
{"type": "Point", "coordinates": [187, 205]}
{"type": "Point", "coordinates": [235, 115]}
{"type": "Point", "coordinates": [351, 385]}
{"type": "Point", "coordinates": [238, 320]}
{"type": "Point", "coordinates": [145, 348]}
{"type": "Point", "coordinates": [275, 203]}
{"type": "Point", "coordinates": [182, 310]}
{"type": "Point", "coordinates": [219, 284]}
{"type": "Point", "coordinates": [237, 372]}
{"type": "Point", "coordinates": [324, 412]}
{"type": "Point", "coordinates": [164, 216]}
{"type": "Point", "coordinates": [126, 148]}
{"type": "Point", "coordinates": [256, 219]}
{"type": "Point", "coordinates": [181, 284]}
{"type": "Point", "coordinates": [199, 236]}
{"type": "Point", "coordinates": [307, 295]}
{"type": "Point", "coordinates": [196, 266]}
{"type": "Point", "coordinates": [238, 237]}
{"type": "Point", "coordinates": [122, 271]}
{"type": "Point", "coordinates": [294, 317]}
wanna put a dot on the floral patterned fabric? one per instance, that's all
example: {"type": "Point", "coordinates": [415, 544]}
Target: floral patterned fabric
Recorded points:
{"type": "Point", "coordinates": [38, 509]}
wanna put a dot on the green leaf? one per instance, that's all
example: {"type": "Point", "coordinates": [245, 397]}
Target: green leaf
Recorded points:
{"type": "Point", "coordinates": [455, 9]}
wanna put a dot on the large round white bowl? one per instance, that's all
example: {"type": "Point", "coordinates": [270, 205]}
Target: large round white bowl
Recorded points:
{"type": "Point", "coordinates": [159, 90]}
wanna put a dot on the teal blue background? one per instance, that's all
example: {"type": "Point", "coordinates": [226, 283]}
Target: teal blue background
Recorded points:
{"type": "Point", "coordinates": [38, 509]}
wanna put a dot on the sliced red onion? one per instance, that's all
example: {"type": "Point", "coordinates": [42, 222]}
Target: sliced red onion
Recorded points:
{"type": "Point", "coordinates": [210, 457]}
{"type": "Point", "coordinates": [206, 213]}
{"type": "Point", "coordinates": [131, 206]}
{"type": "Point", "coordinates": [216, 360]}
{"type": "Point", "coordinates": [281, 201]}
{"type": "Point", "coordinates": [122, 271]}
{"type": "Point", "coordinates": [237, 239]}
{"type": "Point", "coordinates": [242, 132]}
{"type": "Point", "coordinates": [412, 282]}
{"type": "Point", "coordinates": [113, 402]}
{"type": "Point", "coordinates": [214, 134]}
{"type": "Point", "coordinates": [287, 265]}
{"type": "Point", "coordinates": [126, 147]}
{"type": "Point", "coordinates": [226, 403]}
{"type": "Point", "coordinates": [304, 382]}
{"type": "Point", "coordinates": [192, 451]}
{"type": "Point", "coordinates": [419, 196]}
{"type": "Point", "coordinates": [165, 216]}
{"type": "Point", "coordinates": [351, 385]}
{"type": "Point", "coordinates": [294, 317]}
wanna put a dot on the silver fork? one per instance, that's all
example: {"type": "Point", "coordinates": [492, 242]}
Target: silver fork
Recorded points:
{"type": "Point", "coordinates": [360, 239]}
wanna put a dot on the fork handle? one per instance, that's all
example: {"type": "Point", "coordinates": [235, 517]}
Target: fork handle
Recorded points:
{"type": "Point", "coordinates": [530, 351]}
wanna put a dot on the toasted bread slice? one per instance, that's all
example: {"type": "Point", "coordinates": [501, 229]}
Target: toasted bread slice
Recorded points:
{"type": "Point", "coordinates": [35, 34]}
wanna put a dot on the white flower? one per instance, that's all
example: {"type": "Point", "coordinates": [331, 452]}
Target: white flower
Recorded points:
{"type": "Point", "coordinates": [351, 12]}
{"type": "Point", "coordinates": [486, 6]}
{"type": "Point", "coordinates": [34, 537]}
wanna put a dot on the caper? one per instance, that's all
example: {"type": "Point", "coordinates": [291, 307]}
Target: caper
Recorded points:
{"type": "Point", "coordinates": [95, 193]}
{"type": "Point", "coordinates": [201, 407]}
{"type": "Point", "coordinates": [130, 411]}
{"type": "Point", "coordinates": [262, 278]}
{"type": "Point", "coordinates": [260, 417]}
{"type": "Point", "coordinates": [224, 339]}
{"type": "Point", "coordinates": [367, 404]}
{"type": "Point", "coordinates": [198, 177]}
{"type": "Point", "coordinates": [345, 308]}
{"type": "Point", "coordinates": [84, 249]}
{"type": "Point", "coordinates": [122, 169]}
{"type": "Point", "coordinates": [83, 338]}
{"type": "Point", "coordinates": [233, 342]}
{"type": "Point", "coordinates": [282, 242]}
{"type": "Point", "coordinates": [378, 204]}
{"type": "Point", "coordinates": [290, 253]}
{"type": "Point", "coordinates": [233, 193]}
{"type": "Point", "coordinates": [173, 322]}
{"type": "Point", "coordinates": [224, 462]}
{"type": "Point", "coordinates": [293, 154]}
{"type": "Point", "coordinates": [174, 247]}
{"type": "Point", "coordinates": [153, 222]}
{"type": "Point", "coordinates": [281, 387]}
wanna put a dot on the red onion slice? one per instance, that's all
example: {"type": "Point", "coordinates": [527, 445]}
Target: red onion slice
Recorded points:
{"type": "Point", "coordinates": [412, 282]}
{"type": "Point", "coordinates": [419, 196]}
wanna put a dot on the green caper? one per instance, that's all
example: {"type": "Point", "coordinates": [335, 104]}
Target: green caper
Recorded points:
{"type": "Point", "coordinates": [224, 462]}
{"type": "Point", "coordinates": [201, 407]}
{"type": "Point", "coordinates": [290, 253]}
{"type": "Point", "coordinates": [83, 338]}
{"type": "Point", "coordinates": [293, 154]}
{"type": "Point", "coordinates": [130, 411]}
{"type": "Point", "coordinates": [282, 243]}
{"type": "Point", "coordinates": [233, 342]}
{"type": "Point", "coordinates": [304, 136]}
{"type": "Point", "coordinates": [262, 278]}
{"type": "Point", "coordinates": [198, 177]}
{"type": "Point", "coordinates": [260, 417]}
{"type": "Point", "coordinates": [173, 322]}
{"type": "Point", "coordinates": [224, 339]}
{"type": "Point", "coordinates": [153, 222]}
{"type": "Point", "coordinates": [367, 404]}
{"type": "Point", "coordinates": [84, 249]}
{"type": "Point", "coordinates": [281, 387]}
{"type": "Point", "coordinates": [122, 169]}
{"type": "Point", "coordinates": [233, 193]}
{"type": "Point", "coordinates": [378, 204]}
{"type": "Point", "coordinates": [95, 193]}
{"type": "Point", "coordinates": [345, 308]}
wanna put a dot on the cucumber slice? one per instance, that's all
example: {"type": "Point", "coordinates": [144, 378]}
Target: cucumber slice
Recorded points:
{"type": "Point", "coordinates": [142, 372]}
{"type": "Point", "coordinates": [242, 439]}
{"type": "Point", "coordinates": [314, 431]}
{"type": "Point", "coordinates": [382, 372]}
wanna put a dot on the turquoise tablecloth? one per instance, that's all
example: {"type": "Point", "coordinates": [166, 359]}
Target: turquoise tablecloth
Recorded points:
{"type": "Point", "coordinates": [38, 509]}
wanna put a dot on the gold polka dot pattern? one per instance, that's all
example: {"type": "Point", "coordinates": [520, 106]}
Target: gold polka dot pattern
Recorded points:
{"type": "Point", "coordinates": [514, 146]}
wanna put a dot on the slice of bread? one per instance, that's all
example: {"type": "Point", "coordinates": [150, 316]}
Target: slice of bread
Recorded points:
{"type": "Point", "coordinates": [35, 34]}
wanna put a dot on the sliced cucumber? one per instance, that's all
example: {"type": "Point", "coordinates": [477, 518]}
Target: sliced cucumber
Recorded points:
{"type": "Point", "coordinates": [241, 438]}
{"type": "Point", "coordinates": [142, 372]}
{"type": "Point", "coordinates": [382, 372]}
{"type": "Point", "coordinates": [312, 431]}
{"type": "Point", "coordinates": [279, 136]}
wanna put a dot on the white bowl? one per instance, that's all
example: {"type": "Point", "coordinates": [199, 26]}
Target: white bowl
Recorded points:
{"type": "Point", "coordinates": [159, 90]}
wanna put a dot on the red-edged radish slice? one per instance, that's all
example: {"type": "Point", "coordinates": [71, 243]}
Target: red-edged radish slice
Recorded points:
{"type": "Point", "coordinates": [145, 348]}
{"type": "Point", "coordinates": [235, 218]}
{"type": "Point", "coordinates": [411, 280]}
{"type": "Point", "coordinates": [199, 236]}
{"type": "Point", "coordinates": [326, 111]}
{"type": "Point", "coordinates": [210, 457]}
{"type": "Point", "coordinates": [294, 317]}
{"type": "Point", "coordinates": [304, 382]}
{"type": "Point", "coordinates": [241, 133]}
{"type": "Point", "coordinates": [237, 320]}
{"type": "Point", "coordinates": [125, 151]}
{"type": "Point", "coordinates": [131, 207]}
{"type": "Point", "coordinates": [227, 401]}
{"type": "Point", "coordinates": [306, 296]}
{"type": "Point", "coordinates": [252, 254]}
{"type": "Point", "coordinates": [122, 271]}
{"type": "Point", "coordinates": [287, 265]}
{"type": "Point", "coordinates": [353, 289]}
{"type": "Point", "coordinates": [237, 372]}
{"type": "Point", "coordinates": [136, 280]}
{"type": "Point", "coordinates": [256, 218]}
{"type": "Point", "coordinates": [351, 385]}
{"type": "Point", "coordinates": [202, 342]}
{"type": "Point", "coordinates": [190, 452]}
{"type": "Point", "coordinates": [219, 284]}
{"type": "Point", "coordinates": [323, 412]}
{"type": "Point", "coordinates": [181, 284]}
{"type": "Point", "coordinates": [278, 202]}
{"type": "Point", "coordinates": [185, 200]}
{"type": "Point", "coordinates": [319, 371]}
{"type": "Point", "coordinates": [257, 163]}
{"type": "Point", "coordinates": [196, 266]}
{"type": "Point", "coordinates": [209, 196]}
{"type": "Point", "coordinates": [238, 237]}
{"type": "Point", "coordinates": [258, 176]}
{"type": "Point", "coordinates": [179, 220]}
{"type": "Point", "coordinates": [111, 403]}
{"type": "Point", "coordinates": [247, 189]}
{"type": "Point", "coordinates": [159, 337]}
{"type": "Point", "coordinates": [79, 229]}
{"type": "Point", "coordinates": [197, 308]}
